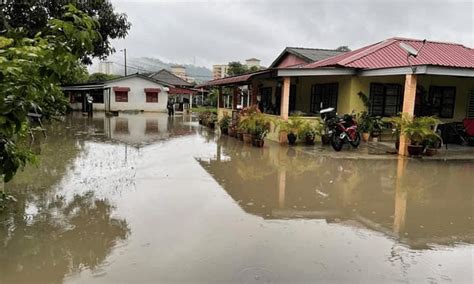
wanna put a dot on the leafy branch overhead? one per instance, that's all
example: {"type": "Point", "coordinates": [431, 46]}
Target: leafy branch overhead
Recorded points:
{"type": "Point", "coordinates": [35, 15]}
{"type": "Point", "coordinates": [31, 70]}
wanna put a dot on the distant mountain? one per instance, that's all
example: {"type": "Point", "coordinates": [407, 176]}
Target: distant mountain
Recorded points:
{"type": "Point", "coordinates": [147, 64]}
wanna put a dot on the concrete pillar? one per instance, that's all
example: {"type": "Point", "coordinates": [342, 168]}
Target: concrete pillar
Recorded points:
{"type": "Point", "coordinates": [285, 98]}
{"type": "Point", "coordinates": [220, 98]}
{"type": "Point", "coordinates": [281, 187]}
{"type": "Point", "coordinates": [400, 213]}
{"type": "Point", "coordinates": [408, 107]}
{"type": "Point", "coordinates": [235, 99]}
{"type": "Point", "coordinates": [254, 92]}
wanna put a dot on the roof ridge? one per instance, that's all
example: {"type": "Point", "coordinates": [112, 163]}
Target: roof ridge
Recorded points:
{"type": "Point", "coordinates": [311, 48]}
{"type": "Point", "coordinates": [431, 41]}
{"type": "Point", "coordinates": [369, 50]}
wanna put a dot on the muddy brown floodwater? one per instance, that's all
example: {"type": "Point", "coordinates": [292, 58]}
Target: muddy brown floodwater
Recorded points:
{"type": "Point", "coordinates": [147, 199]}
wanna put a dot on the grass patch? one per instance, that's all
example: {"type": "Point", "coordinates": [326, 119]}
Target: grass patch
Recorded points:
{"type": "Point", "coordinates": [200, 109]}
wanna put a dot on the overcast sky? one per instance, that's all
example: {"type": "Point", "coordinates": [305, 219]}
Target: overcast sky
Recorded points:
{"type": "Point", "coordinates": [215, 32]}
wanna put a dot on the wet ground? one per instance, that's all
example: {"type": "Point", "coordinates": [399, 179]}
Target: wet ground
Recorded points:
{"type": "Point", "coordinates": [147, 199]}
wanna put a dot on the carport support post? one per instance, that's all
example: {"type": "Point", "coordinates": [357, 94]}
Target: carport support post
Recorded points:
{"type": "Point", "coordinates": [285, 98]}
{"type": "Point", "coordinates": [408, 107]}
{"type": "Point", "coordinates": [254, 93]}
{"type": "Point", "coordinates": [220, 99]}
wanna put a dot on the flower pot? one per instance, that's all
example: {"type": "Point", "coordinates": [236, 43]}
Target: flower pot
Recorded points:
{"type": "Point", "coordinates": [309, 140]}
{"type": "Point", "coordinates": [212, 125]}
{"type": "Point", "coordinates": [225, 131]}
{"type": "Point", "coordinates": [415, 150]}
{"type": "Point", "coordinates": [365, 136]}
{"type": "Point", "coordinates": [200, 121]}
{"type": "Point", "coordinates": [231, 132]}
{"type": "Point", "coordinates": [291, 138]}
{"type": "Point", "coordinates": [325, 139]}
{"type": "Point", "coordinates": [431, 152]}
{"type": "Point", "coordinates": [397, 143]}
{"type": "Point", "coordinates": [258, 142]}
{"type": "Point", "coordinates": [247, 138]}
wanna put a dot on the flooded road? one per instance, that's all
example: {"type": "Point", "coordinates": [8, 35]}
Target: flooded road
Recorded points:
{"type": "Point", "coordinates": [147, 199]}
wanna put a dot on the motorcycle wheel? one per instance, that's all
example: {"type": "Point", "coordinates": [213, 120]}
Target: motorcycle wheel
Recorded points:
{"type": "Point", "coordinates": [336, 142]}
{"type": "Point", "coordinates": [355, 143]}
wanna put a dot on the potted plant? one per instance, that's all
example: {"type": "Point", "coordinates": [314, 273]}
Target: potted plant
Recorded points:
{"type": "Point", "coordinates": [364, 123]}
{"type": "Point", "coordinates": [291, 127]}
{"type": "Point", "coordinates": [432, 143]}
{"type": "Point", "coordinates": [308, 132]}
{"type": "Point", "coordinates": [212, 120]}
{"type": "Point", "coordinates": [262, 125]}
{"type": "Point", "coordinates": [247, 126]}
{"type": "Point", "coordinates": [377, 125]}
{"type": "Point", "coordinates": [416, 129]}
{"type": "Point", "coordinates": [224, 123]}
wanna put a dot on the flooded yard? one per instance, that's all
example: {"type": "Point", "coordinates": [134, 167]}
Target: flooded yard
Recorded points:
{"type": "Point", "coordinates": [151, 199]}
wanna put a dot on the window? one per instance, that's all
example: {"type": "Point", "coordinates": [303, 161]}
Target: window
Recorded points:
{"type": "Point", "coordinates": [151, 97]}
{"type": "Point", "coordinates": [151, 126]}
{"type": "Point", "coordinates": [76, 98]}
{"type": "Point", "coordinates": [470, 108]}
{"type": "Point", "coordinates": [265, 104]}
{"type": "Point", "coordinates": [385, 99]}
{"type": "Point", "coordinates": [121, 126]}
{"type": "Point", "coordinates": [442, 101]}
{"type": "Point", "coordinates": [98, 97]}
{"type": "Point", "coordinates": [323, 96]}
{"type": "Point", "coordinates": [121, 97]}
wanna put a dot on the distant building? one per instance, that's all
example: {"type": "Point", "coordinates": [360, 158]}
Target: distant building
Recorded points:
{"type": "Point", "coordinates": [179, 71]}
{"type": "Point", "coordinates": [106, 67]}
{"type": "Point", "coordinates": [219, 71]}
{"type": "Point", "coordinates": [252, 62]}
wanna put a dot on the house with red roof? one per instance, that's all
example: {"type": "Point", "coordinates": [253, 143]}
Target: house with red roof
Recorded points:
{"type": "Point", "coordinates": [397, 75]}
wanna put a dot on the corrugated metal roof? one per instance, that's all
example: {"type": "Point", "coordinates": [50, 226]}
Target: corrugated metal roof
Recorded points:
{"type": "Point", "coordinates": [307, 54]}
{"type": "Point", "coordinates": [315, 54]}
{"type": "Point", "coordinates": [168, 77]}
{"type": "Point", "coordinates": [389, 54]}
{"type": "Point", "coordinates": [233, 80]}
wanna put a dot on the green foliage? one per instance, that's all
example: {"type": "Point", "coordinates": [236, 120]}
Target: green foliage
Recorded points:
{"type": "Point", "coordinates": [310, 128]}
{"type": "Point", "coordinates": [237, 68]}
{"type": "Point", "coordinates": [344, 48]}
{"type": "Point", "coordinates": [292, 125]}
{"type": "Point", "coordinates": [415, 128]}
{"type": "Point", "coordinates": [34, 16]}
{"type": "Point", "coordinates": [31, 70]}
{"type": "Point", "coordinates": [100, 77]}
{"type": "Point", "coordinates": [225, 121]}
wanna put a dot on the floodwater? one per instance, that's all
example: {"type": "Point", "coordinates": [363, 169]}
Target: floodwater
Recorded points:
{"type": "Point", "coordinates": [147, 199]}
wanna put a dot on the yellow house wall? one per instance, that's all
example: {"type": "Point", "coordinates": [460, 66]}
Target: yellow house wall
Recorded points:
{"type": "Point", "coordinates": [463, 86]}
{"type": "Point", "coordinates": [303, 92]}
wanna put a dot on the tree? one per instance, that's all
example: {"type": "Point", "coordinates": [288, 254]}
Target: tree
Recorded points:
{"type": "Point", "coordinates": [34, 15]}
{"type": "Point", "coordinates": [31, 70]}
{"type": "Point", "coordinates": [343, 48]}
{"type": "Point", "coordinates": [100, 77]}
{"type": "Point", "coordinates": [236, 68]}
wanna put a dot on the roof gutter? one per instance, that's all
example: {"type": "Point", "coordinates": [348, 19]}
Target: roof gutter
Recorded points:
{"type": "Point", "coordinates": [293, 72]}
{"type": "Point", "coordinates": [422, 70]}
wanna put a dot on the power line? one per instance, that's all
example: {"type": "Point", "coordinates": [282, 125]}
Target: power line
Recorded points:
{"type": "Point", "coordinates": [138, 68]}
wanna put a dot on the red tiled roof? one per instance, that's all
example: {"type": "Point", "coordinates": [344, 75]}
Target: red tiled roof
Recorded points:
{"type": "Point", "coordinates": [389, 54]}
{"type": "Point", "coordinates": [232, 80]}
{"type": "Point", "coordinates": [180, 91]}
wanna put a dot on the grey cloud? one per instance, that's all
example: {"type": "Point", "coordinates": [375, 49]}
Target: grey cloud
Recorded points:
{"type": "Point", "coordinates": [221, 31]}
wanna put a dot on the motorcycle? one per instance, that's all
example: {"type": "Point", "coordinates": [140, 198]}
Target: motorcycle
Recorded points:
{"type": "Point", "coordinates": [341, 130]}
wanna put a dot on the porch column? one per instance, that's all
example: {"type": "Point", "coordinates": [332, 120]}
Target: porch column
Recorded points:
{"type": "Point", "coordinates": [254, 93]}
{"type": "Point", "coordinates": [408, 107]}
{"type": "Point", "coordinates": [220, 98]}
{"type": "Point", "coordinates": [235, 100]}
{"type": "Point", "coordinates": [285, 98]}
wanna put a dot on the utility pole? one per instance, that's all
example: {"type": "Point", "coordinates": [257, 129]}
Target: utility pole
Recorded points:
{"type": "Point", "coordinates": [125, 59]}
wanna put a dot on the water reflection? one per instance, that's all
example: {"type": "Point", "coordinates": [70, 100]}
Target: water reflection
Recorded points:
{"type": "Point", "coordinates": [399, 198]}
{"type": "Point", "coordinates": [48, 233]}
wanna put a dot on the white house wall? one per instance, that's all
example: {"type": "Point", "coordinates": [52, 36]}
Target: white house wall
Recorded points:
{"type": "Point", "coordinates": [136, 96]}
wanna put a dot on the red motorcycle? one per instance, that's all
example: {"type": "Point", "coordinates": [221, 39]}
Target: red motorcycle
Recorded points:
{"type": "Point", "coordinates": [341, 130]}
